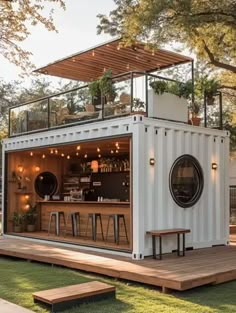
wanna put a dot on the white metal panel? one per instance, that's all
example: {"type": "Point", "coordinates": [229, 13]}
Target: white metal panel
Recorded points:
{"type": "Point", "coordinates": [153, 206]}
{"type": "Point", "coordinates": [207, 218]}
{"type": "Point", "coordinates": [167, 106]}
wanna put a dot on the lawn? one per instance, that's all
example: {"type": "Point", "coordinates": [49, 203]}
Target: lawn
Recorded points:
{"type": "Point", "coordinates": [19, 279]}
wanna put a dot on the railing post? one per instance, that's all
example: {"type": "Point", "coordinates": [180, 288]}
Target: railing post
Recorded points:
{"type": "Point", "coordinates": [221, 110]}
{"type": "Point", "coordinates": [49, 112]}
{"type": "Point", "coordinates": [9, 122]}
{"type": "Point", "coordinates": [27, 121]}
{"type": "Point", "coordinates": [192, 70]}
{"type": "Point", "coordinates": [205, 111]}
{"type": "Point", "coordinates": [146, 90]}
{"type": "Point", "coordinates": [132, 90]}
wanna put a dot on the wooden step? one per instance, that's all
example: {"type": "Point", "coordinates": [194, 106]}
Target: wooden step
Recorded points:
{"type": "Point", "coordinates": [65, 297]}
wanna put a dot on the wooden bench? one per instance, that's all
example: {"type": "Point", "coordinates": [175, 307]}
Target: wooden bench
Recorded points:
{"type": "Point", "coordinates": [165, 232]}
{"type": "Point", "coordinates": [66, 297]}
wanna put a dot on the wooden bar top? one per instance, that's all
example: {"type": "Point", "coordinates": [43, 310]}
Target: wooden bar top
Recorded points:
{"type": "Point", "coordinates": [84, 202]}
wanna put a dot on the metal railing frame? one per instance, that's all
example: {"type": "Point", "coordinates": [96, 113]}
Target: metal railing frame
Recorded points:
{"type": "Point", "coordinates": [131, 76]}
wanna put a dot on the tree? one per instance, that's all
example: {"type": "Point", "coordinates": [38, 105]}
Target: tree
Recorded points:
{"type": "Point", "coordinates": [206, 26]}
{"type": "Point", "coordinates": [15, 18]}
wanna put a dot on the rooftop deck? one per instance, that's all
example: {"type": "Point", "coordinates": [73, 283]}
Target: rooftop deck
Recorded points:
{"type": "Point", "coordinates": [79, 106]}
{"type": "Point", "coordinates": [178, 273]}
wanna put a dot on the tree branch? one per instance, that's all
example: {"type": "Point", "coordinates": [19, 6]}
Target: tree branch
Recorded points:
{"type": "Point", "coordinates": [227, 87]}
{"type": "Point", "coordinates": [217, 63]}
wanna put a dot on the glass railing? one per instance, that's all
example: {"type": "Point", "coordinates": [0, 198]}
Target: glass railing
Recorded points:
{"type": "Point", "coordinates": [131, 93]}
{"type": "Point", "coordinates": [76, 106]}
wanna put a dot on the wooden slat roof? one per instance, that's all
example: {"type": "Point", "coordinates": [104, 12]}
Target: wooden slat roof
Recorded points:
{"type": "Point", "coordinates": [90, 64]}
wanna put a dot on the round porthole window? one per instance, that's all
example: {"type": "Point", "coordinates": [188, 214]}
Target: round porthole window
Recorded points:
{"type": "Point", "coordinates": [186, 181]}
{"type": "Point", "coordinates": [45, 184]}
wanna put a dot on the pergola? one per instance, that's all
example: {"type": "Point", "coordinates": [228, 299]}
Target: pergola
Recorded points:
{"type": "Point", "coordinates": [90, 64]}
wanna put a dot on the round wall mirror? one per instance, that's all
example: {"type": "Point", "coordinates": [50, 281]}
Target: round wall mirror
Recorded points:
{"type": "Point", "coordinates": [186, 181]}
{"type": "Point", "coordinates": [45, 184]}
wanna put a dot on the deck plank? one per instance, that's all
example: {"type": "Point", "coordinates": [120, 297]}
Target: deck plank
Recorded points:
{"type": "Point", "coordinates": [179, 273]}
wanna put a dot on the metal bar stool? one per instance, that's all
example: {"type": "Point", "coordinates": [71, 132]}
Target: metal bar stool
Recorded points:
{"type": "Point", "coordinates": [75, 221]}
{"type": "Point", "coordinates": [116, 225]}
{"type": "Point", "coordinates": [57, 216]}
{"type": "Point", "coordinates": [94, 218]}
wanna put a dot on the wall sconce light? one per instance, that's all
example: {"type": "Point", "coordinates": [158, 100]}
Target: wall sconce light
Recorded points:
{"type": "Point", "coordinates": [214, 166]}
{"type": "Point", "coordinates": [27, 206]}
{"type": "Point", "coordinates": [152, 161]}
{"type": "Point", "coordinates": [20, 168]}
{"type": "Point", "coordinates": [26, 197]}
{"type": "Point", "coordinates": [37, 168]}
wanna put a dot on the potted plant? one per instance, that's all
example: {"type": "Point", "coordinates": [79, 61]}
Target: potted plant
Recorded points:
{"type": "Point", "coordinates": [159, 86]}
{"type": "Point", "coordinates": [17, 221]}
{"type": "Point", "coordinates": [179, 89]}
{"type": "Point", "coordinates": [106, 86]}
{"type": "Point", "coordinates": [209, 88]}
{"type": "Point", "coordinates": [195, 119]}
{"type": "Point", "coordinates": [31, 217]}
{"type": "Point", "coordinates": [94, 91]}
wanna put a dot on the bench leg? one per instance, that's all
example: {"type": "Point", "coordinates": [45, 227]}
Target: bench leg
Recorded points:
{"type": "Point", "coordinates": [183, 244]}
{"type": "Point", "coordinates": [160, 247]}
{"type": "Point", "coordinates": [178, 244]}
{"type": "Point", "coordinates": [154, 247]}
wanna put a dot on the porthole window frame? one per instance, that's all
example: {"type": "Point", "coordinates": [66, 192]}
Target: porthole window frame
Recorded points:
{"type": "Point", "coordinates": [199, 171]}
{"type": "Point", "coordinates": [52, 191]}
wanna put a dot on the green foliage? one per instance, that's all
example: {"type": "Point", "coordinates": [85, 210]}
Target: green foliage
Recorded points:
{"type": "Point", "coordinates": [15, 18]}
{"type": "Point", "coordinates": [94, 88]}
{"type": "Point", "coordinates": [106, 86]}
{"type": "Point", "coordinates": [17, 218]}
{"type": "Point", "coordinates": [177, 88]}
{"type": "Point", "coordinates": [159, 86]}
{"type": "Point", "coordinates": [206, 85]}
{"type": "Point", "coordinates": [207, 27]}
{"type": "Point", "coordinates": [103, 85]}
{"type": "Point", "coordinates": [31, 214]}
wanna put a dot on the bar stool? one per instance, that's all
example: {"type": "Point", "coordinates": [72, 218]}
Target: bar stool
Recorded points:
{"type": "Point", "coordinates": [57, 216]}
{"type": "Point", "coordinates": [94, 219]}
{"type": "Point", "coordinates": [75, 221]}
{"type": "Point", "coordinates": [116, 225]}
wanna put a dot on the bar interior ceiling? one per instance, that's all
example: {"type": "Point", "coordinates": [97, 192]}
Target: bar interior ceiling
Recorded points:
{"type": "Point", "coordinates": [90, 64]}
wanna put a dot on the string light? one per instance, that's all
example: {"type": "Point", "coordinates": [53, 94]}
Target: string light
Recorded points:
{"type": "Point", "coordinates": [37, 168]}
{"type": "Point", "coordinates": [112, 151]}
{"type": "Point", "coordinates": [43, 156]}
{"type": "Point", "coordinates": [68, 157]}
{"type": "Point", "coordinates": [63, 155]}
{"type": "Point", "coordinates": [98, 149]}
{"type": "Point", "coordinates": [51, 151]}
{"type": "Point", "coordinates": [85, 156]}
{"type": "Point", "coordinates": [31, 153]}
{"type": "Point", "coordinates": [56, 151]}
{"type": "Point", "coordinates": [99, 155]}
{"type": "Point", "coordinates": [78, 148]}
{"type": "Point", "coordinates": [77, 153]}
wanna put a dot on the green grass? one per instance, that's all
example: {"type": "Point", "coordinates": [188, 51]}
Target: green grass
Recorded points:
{"type": "Point", "coordinates": [19, 279]}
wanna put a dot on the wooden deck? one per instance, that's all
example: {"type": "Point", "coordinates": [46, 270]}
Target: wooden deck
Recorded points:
{"type": "Point", "coordinates": [199, 267]}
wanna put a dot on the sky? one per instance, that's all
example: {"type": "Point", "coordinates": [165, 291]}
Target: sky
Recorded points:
{"type": "Point", "coordinates": [76, 31]}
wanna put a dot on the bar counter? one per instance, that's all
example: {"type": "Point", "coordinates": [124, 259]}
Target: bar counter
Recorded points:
{"type": "Point", "coordinates": [105, 208]}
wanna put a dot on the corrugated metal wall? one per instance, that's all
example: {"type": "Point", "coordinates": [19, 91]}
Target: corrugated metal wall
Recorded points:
{"type": "Point", "coordinates": [208, 218]}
